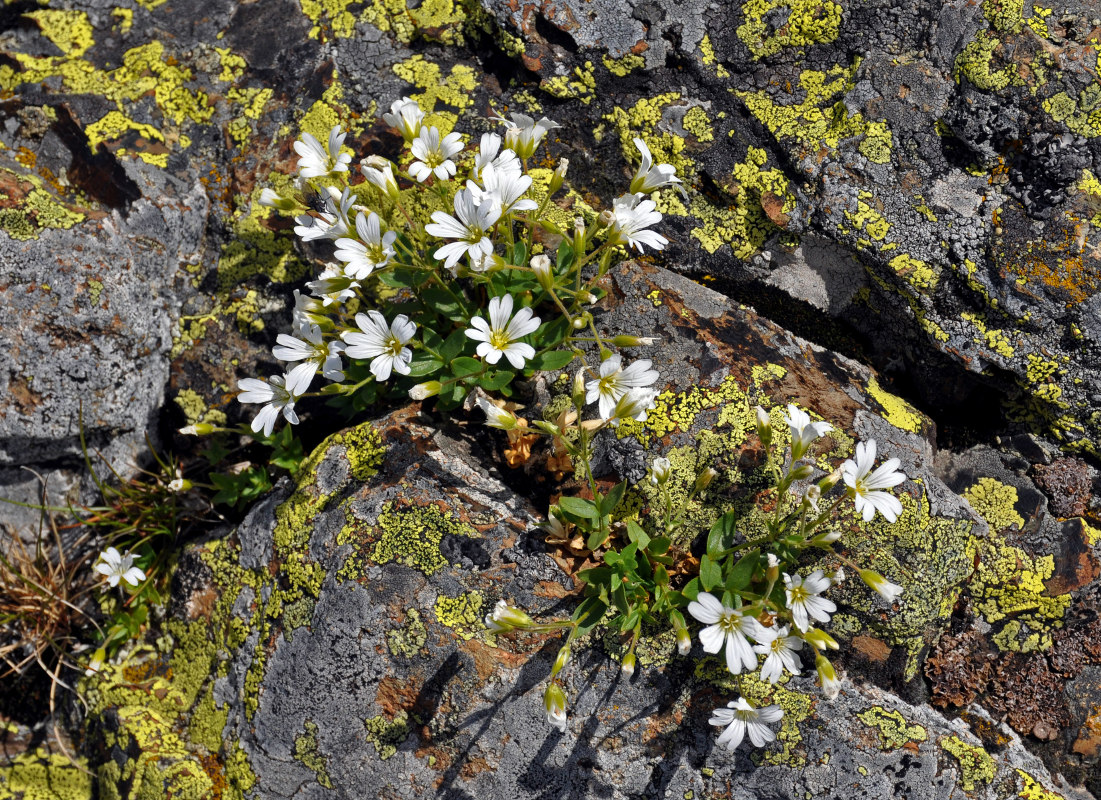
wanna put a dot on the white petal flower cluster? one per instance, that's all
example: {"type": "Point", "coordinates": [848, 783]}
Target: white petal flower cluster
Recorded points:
{"type": "Point", "coordinates": [385, 344]}
{"type": "Point", "coordinates": [615, 381]}
{"type": "Point", "coordinates": [317, 162]}
{"type": "Point", "coordinates": [729, 627]}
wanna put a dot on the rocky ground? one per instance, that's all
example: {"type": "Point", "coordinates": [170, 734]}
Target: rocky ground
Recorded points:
{"type": "Point", "coordinates": [893, 219]}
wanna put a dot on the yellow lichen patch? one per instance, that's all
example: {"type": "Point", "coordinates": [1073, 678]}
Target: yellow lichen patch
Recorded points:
{"type": "Point", "coordinates": [820, 120]}
{"type": "Point", "coordinates": [1082, 114]}
{"type": "Point", "coordinates": [331, 16]}
{"type": "Point", "coordinates": [996, 340]}
{"type": "Point", "coordinates": [707, 50]}
{"type": "Point", "coordinates": [195, 410]}
{"type": "Point", "coordinates": [975, 764]}
{"type": "Point", "coordinates": [233, 65]}
{"type": "Point", "coordinates": [677, 411]}
{"type": "Point", "coordinates": [125, 16]}
{"type": "Point", "coordinates": [1032, 789]}
{"type": "Point", "coordinates": [463, 614]}
{"type": "Point", "coordinates": [914, 271]}
{"type": "Point", "coordinates": [642, 120]}
{"type": "Point", "coordinates": [895, 410]}
{"type": "Point", "coordinates": [867, 219]}
{"type": "Point", "coordinates": [40, 775]}
{"type": "Point", "coordinates": [252, 103]}
{"type": "Point", "coordinates": [443, 19]}
{"type": "Point", "coordinates": [453, 90]}
{"type": "Point", "coordinates": [579, 84]}
{"type": "Point", "coordinates": [698, 123]}
{"type": "Point", "coordinates": [115, 125]}
{"type": "Point", "coordinates": [994, 501]}
{"type": "Point", "coordinates": [893, 729]}
{"type": "Point", "coordinates": [70, 31]}
{"type": "Point", "coordinates": [623, 66]}
{"type": "Point", "coordinates": [808, 22]}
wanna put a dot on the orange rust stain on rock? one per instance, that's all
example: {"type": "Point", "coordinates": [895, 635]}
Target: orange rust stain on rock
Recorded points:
{"type": "Point", "coordinates": [396, 695]}
{"type": "Point", "coordinates": [872, 648]}
{"type": "Point", "coordinates": [1088, 742]}
{"type": "Point", "coordinates": [550, 589]}
{"type": "Point", "coordinates": [487, 660]}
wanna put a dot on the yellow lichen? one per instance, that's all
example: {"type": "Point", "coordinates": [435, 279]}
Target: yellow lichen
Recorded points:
{"type": "Point", "coordinates": [975, 764]}
{"type": "Point", "coordinates": [579, 84]}
{"type": "Point", "coordinates": [454, 90]}
{"type": "Point", "coordinates": [463, 614]}
{"type": "Point", "coordinates": [808, 22]}
{"type": "Point", "coordinates": [623, 66]}
{"type": "Point", "coordinates": [895, 410]}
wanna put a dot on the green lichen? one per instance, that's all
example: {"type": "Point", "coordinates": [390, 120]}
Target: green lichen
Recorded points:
{"type": "Point", "coordinates": [363, 450]}
{"type": "Point", "coordinates": [698, 123]}
{"type": "Point", "coordinates": [408, 640]}
{"type": "Point", "coordinates": [915, 272]}
{"type": "Point", "coordinates": [1032, 789]}
{"type": "Point", "coordinates": [995, 339]}
{"type": "Point", "coordinates": [40, 775]}
{"type": "Point", "coordinates": [412, 536]}
{"type": "Point", "coordinates": [975, 764]}
{"type": "Point", "coordinates": [893, 729]}
{"type": "Point", "coordinates": [306, 751]}
{"type": "Point", "coordinates": [808, 22]}
{"type": "Point", "coordinates": [195, 409]}
{"type": "Point", "coordinates": [386, 734]}
{"type": "Point", "coordinates": [463, 614]}
{"type": "Point", "coordinates": [453, 90]}
{"type": "Point", "coordinates": [707, 52]}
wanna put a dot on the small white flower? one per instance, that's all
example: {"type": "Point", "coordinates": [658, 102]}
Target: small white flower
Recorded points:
{"type": "Point", "coordinates": [803, 431]}
{"type": "Point", "coordinates": [740, 718]}
{"type": "Point", "coordinates": [661, 471]}
{"type": "Point", "coordinates": [650, 178]}
{"type": "Point", "coordinates": [115, 567]}
{"type": "Point", "coordinates": [332, 223]}
{"type": "Point", "coordinates": [866, 489]}
{"type": "Point", "coordinates": [373, 250]}
{"type": "Point", "coordinates": [317, 162]}
{"type": "Point", "coordinates": [804, 601]}
{"type": "Point", "coordinates": [880, 585]}
{"type": "Point", "coordinates": [729, 627]}
{"type": "Point", "coordinates": [505, 187]}
{"type": "Point", "coordinates": [314, 353]}
{"type": "Point", "coordinates": [523, 134]}
{"type": "Point", "coordinates": [772, 560]}
{"type": "Point", "coordinates": [633, 405]}
{"type": "Point", "coordinates": [499, 336]}
{"type": "Point", "coordinates": [780, 654]}
{"type": "Point", "coordinates": [489, 152]}
{"type": "Point", "coordinates": [272, 392]}
{"type": "Point", "coordinates": [469, 226]}
{"type": "Point", "coordinates": [434, 154]}
{"type": "Point", "coordinates": [384, 344]}
{"type": "Point", "coordinates": [332, 286]}
{"type": "Point", "coordinates": [615, 381]}
{"type": "Point", "coordinates": [496, 417]}
{"type": "Point", "coordinates": [812, 495]}
{"type": "Point", "coordinates": [379, 172]}
{"type": "Point", "coordinates": [630, 218]}
{"type": "Point", "coordinates": [505, 618]}
{"type": "Point", "coordinates": [407, 116]}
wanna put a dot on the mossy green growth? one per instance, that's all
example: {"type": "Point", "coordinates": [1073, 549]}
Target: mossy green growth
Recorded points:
{"type": "Point", "coordinates": [412, 536]}
{"type": "Point", "coordinates": [41, 775]}
{"type": "Point", "coordinates": [893, 729]}
{"type": "Point", "coordinates": [306, 750]}
{"type": "Point", "coordinates": [463, 614]}
{"type": "Point", "coordinates": [808, 22]}
{"type": "Point", "coordinates": [386, 734]}
{"type": "Point", "coordinates": [408, 640]}
{"type": "Point", "coordinates": [822, 119]}
{"type": "Point", "coordinates": [975, 764]}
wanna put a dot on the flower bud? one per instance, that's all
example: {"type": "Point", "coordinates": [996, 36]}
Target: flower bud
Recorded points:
{"type": "Point", "coordinates": [578, 393]}
{"type": "Point", "coordinates": [764, 427]}
{"type": "Point", "coordinates": [827, 675]}
{"type": "Point", "coordinates": [830, 480]}
{"type": "Point", "coordinates": [605, 219]}
{"type": "Point", "coordinates": [554, 701]}
{"type": "Point", "coordinates": [820, 640]}
{"type": "Point", "coordinates": [559, 176]}
{"type": "Point", "coordinates": [198, 429]}
{"type": "Point", "coordinates": [496, 417]}
{"type": "Point", "coordinates": [880, 585]}
{"type": "Point", "coordinates": [703, 480]}
{"type": "Point", "coordinates": [824, 540]}
{"type": "Point", "coordinates": [179, 485]}
{"type": "Point", "coordinates": [811, 496]}
{"type": "Point", "coordinates": [773, 571]}
{"type": "Point", "coordinates": [660, 471]}
{"type": "Point", "coordinates": [579, 323]}
{"type": "Point", "coordinates": [634, 341]}
{"type": "Point", "coordinates": [801, 472]}
{"type": "Point", "coordinates": [838, 577]}
{"type": "Point", "coordinates": [684, 641]}
{"type": "Point", "coordinates": [422, 391]}
{"type": "Point", "coordinates": [541, 266]}
{"type": "Point", "coordinates": [628, 665]}
{"type": "Point", "coordinates": [561, 661]}
{"type": "Point", "coordinates": [505, 618]}
{"type": "Point", "coordinates": [96, 664]}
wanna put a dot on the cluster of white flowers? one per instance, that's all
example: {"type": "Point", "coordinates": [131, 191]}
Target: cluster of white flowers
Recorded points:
{"type": "Point", "coordinates": [487, 190]}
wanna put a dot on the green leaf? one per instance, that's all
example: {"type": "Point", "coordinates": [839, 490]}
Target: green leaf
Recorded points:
{"type": "Point", "coordinates": [422, 365]}
{"type": "Point", "coordinates": [565, 257]}
{"type": "Point", "coordinates": [454, 344]}
{"type": "Point", "coordinates": [495, 381]}
{"type": "Point", "coordinates": [710, 573]}
{"type": "Point", "coordinates": [400, 278]}
{"type": "Point", "coordinates": [619, 599]}
{"type": "Point", "coordinates": [595, 575]}
{"type": "Point", "coordinates": [659, 545]}
{"type": "Point", "coordinates": [631, 620]}
{"type": "Point", "coordinates": [722, 534]}
{"type": "Point", "coordinates": [613, 498]}
{"type": "Point", "coordinates": [551, 360]}
{"type": "Point", "coordinates": [740, 577]}
{"type": "Point", "coordinates": [596, 538]}
{"type": "Point", "coordinates": [661, 575]}
{"type": "Point", "coordinates": [611, 558]}
{"type": "Point", "coordinates": [588, 615]}
{"type": "Point", "coordinates": [691, 589]}
{"type": "Point", "coordinates": [464, 365]}
{"type": "Point", "coordinates": [520, 254]}
{"type": "Point", "coordinates": [431, 339]}
{"type": "Point", "coordinates": [578, 507]}
{"type": "Point", "coordinates": [635, 533]}
{"type": "Point", "coordinates": [443, 303]}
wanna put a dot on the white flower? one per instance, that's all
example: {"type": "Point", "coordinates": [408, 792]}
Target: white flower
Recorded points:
{"type": "Point", "coordinates": [803, 431]}
{"type": "Point", "coordinates": [650, 178]}
{"type": "Point", "coordinates": [489, 152]}
{"type": "Point", "coordinates": [523, 134]}
{"type": "Point", "coordinates": [615, 381]}
{"type": "Point", "coordinates": [406, 115]}
{"type": "Point", "coordinates": [470, 228]}
{"type": "Point", "coordinates": [661, 471]}
{"type": "Point", "coordinates": [272, 392]}
{"type": "Point", "coordinates": [380, 173]}
{"type": "Point", "coordinates": [804, 601]}
{"type": "Point", "coordinates": [630, 218]}
{"type": "Point", "coordinates": [115, 567]}
{"type": "Point", "coordinates": [434, 155]}
{"type": "Point", "coordinates": [332, 223]}
{"type": "Point", "coordinates": [496, 417]}
{"type": "Point", "coordinates": [729, 627]}
{"type": "Point", "coordinates": [554, 701]}
{"type": "Point", "coordinates": [633, 405]}
{"type": "Point", "coordinates": [880, 585]}
{"type": "Point", "coordinates": [505, 618]}
{"type": "Point", "coordinates": [541, 266]}
{"type": "Point", "coordinates": [331, 286]}
{"type": "Point", "coordinates": [499, 336]}
{"type": "Point", "coordinates": [384, 344]}
{"type": "Point", "coordinates": [740, 718]}
{"type": "Point", "coordinates": [780, 654]}
{"type": "Point", "coordinates": [373, 250]}
{"type": "Point", "coordinates": [314, 353]}
{"type": "Point", "coordinates": [315, 161]}
{"type": "Point", "coordinates": [812, 495]}
{"type": "Point", "coordinates": [505, 187]}
{"type": "Point", "coordinates": [865, 488]}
